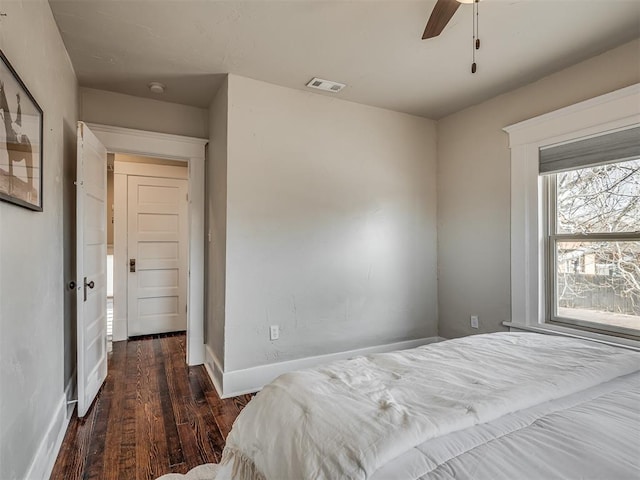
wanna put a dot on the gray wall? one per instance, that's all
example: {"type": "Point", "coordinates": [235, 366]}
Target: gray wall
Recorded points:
{"type": "Point", "coordinates": [474, 187]}
{"type": "Point", "coordinates": [216, 191]}
{"type": "Point", "coordinates": [331, 225]}
{"type": "Point", "coordinates": [117, 109]}
{"type": "Point", "coordinates": [37, 335]}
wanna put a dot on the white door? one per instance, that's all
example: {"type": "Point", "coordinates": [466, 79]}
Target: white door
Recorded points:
{"type": "Point", "coordinates": [158, 251]}
{"type": "Point", "coordinates": [91, 224]}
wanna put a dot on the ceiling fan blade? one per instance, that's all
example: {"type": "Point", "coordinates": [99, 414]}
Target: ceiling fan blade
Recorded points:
{"type": "Point", "coordinates": [440, 16]}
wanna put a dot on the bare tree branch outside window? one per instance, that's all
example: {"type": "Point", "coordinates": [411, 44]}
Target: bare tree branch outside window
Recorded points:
{"type": "Point", "coordinates": [599, 280]}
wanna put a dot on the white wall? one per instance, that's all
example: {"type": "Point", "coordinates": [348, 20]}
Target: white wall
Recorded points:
{"type": "Point", "coordinates": [37, 335]}
{"type": "Point", "coordinates": [331, 225]}
{"type": "Point", "coordinates": [474, 187]}
{"type": "Point", "coordinates": [117, 109]}
{"type": "Point", "coordinates": [216, 191]}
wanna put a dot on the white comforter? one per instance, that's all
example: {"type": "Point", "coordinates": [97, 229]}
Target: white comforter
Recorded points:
{"type": "Point", "coordinates": [349, 418]}
{"type": "Point", "coordinates": [591, 435]}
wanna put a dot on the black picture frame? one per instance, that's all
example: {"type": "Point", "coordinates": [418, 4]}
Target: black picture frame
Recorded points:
{"type": "Point", "coordinates": [21, 148]}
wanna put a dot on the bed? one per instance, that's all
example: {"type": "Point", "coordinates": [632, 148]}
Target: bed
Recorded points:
{"type": "Point", "coordinates": [496, 406]}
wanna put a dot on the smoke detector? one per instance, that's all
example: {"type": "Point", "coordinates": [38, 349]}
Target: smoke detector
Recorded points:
{"type": "Point", "coordinates": [325, 85]}
{"type": "Point", "coordinates": [156, 87]}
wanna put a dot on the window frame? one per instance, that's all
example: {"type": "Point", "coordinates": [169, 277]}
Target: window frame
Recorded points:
{"type": "Point", "coordinates": [614, 110]}
{"type": "Point", "coordinates": [552, 238]}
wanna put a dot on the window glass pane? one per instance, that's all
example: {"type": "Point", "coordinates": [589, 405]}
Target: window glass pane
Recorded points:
{"type": "Point", "coordinates": [599, 199]}
{"type": "Point", "coordinates": [599, 282]}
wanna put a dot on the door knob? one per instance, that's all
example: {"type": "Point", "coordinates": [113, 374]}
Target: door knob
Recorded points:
{"type": "Point", "coordinates": [132, 265]}
{"type": "Point", "coordinates": [90, 284]}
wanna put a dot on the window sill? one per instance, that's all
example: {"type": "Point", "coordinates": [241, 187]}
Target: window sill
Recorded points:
{"type": "Point", "coordinates": [576, 333]}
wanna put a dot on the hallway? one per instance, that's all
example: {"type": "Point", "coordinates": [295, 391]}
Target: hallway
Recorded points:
{"type": "Point", "coordinates": [154, 415]}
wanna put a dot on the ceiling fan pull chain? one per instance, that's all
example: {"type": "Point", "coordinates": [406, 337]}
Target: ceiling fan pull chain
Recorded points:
{"type": "Point", "coordinates": [474, 66]}
{"type": "Point", "coordinates": [477, 8]}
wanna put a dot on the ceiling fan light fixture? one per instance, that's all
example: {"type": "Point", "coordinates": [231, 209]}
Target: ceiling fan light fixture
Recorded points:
{"type": "Point", "coordinates": [157, 88]}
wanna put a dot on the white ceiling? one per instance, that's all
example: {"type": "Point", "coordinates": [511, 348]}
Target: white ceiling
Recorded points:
{"type": "Point", "coordinates": [372, 46]}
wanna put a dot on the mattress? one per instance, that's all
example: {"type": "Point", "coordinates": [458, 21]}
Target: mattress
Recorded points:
{"type": "Point", "coordinates": [504, 405]}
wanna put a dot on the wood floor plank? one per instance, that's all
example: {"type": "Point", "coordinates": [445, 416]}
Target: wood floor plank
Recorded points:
{"type": "Point", "coordinates": [241, 401]}
{"type": "Point", "coordinates": [73, 452]}
{"type": "Point", "coordinates": [176, 370]}
{"type": "Point", "coordinates": [154, 415]}
{"type": "Point", "coordinates": [115, 424]}
{"type": "Point", "coordinates": [225, 410]}
{"type": "Point", "coordinates": [95, 457]}
{"type": "Point", "coordinates": [127, 454]}
{"type": "Point", "coordinates": [195, 388]}
{"type": "Point", "coordinates": [172, 440]}
{"type": "Point", "coordinates": [151, 452]}
{"type": "Point", "coordinates": [204, 435]}
{"type": "Point", "coordinates": [205, 382]}
{"type": "Point", "coordinates": [225, 413]}
{"type": "Point", "coordinates": [209, 440]}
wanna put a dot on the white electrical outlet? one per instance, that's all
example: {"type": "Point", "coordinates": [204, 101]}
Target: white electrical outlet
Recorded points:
{"type": "Point", "coordinates": [274, 332]}
{"type": "Point", "coordinates": [474, 321]}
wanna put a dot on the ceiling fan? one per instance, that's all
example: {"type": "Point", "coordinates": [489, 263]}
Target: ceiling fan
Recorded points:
{"type": "Point", "coordinates": [440, 16]}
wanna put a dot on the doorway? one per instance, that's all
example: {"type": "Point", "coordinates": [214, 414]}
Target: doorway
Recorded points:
{"type": "Point", "coordinates": [150, 245]}
{"type": "Point", "coordinates": [167, 149]}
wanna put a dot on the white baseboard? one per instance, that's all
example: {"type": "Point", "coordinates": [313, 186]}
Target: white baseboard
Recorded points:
{"type": "Point", "coordinates": [239, 382]}
{"type": "Point", "coordinates": [119, 329]}
{"type": "Point", "coordinates": [214, 369]}
{"type": "Point", "coordinates": [47, 453]}
{"type": "Point", "coordinates": [71, 394]}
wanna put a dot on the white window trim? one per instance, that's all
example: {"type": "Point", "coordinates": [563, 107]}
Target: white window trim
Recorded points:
{"type": "Point", "coordinates": [615, 110]}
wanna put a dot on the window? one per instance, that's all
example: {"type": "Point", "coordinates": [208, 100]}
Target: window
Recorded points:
{"type": "Point", "coordinates": [593, 239]}
{"type": "Point", "coordinates": [595, 132]}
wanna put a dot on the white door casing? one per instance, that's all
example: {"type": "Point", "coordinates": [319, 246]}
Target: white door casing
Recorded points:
{"type": "Point", "coordinates": [158, 255]}
{"type": "Point", "coordinates": [91, 218]}
{"type": "Point", "coordinates": [192, 151]}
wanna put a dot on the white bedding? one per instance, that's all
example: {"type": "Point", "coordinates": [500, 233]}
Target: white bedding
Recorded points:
{"type": "Point", "coordinates": [593, 434]}
{"type": "Point", "coordinates": [351, 419]}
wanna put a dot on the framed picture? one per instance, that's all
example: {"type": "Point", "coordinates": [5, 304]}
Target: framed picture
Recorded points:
{"type": "Point", "coordinates": [20, 141]}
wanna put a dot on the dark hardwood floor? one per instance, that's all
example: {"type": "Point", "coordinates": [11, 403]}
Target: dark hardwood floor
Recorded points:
{"type": "Point", "coordinates": [154, 415]}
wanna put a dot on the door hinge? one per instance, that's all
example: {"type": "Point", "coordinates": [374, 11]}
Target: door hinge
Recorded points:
{"type": "Point", "coordinates": [186, 307]}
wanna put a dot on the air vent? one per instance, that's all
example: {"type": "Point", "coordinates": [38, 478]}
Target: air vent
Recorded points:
{"type": "Point", "coordinates": [326, 85]}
